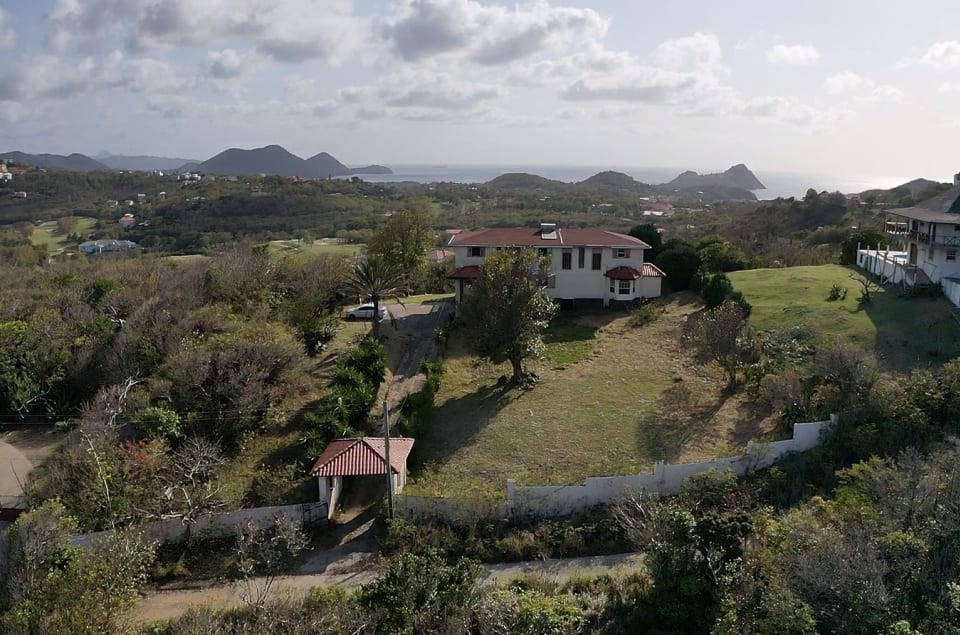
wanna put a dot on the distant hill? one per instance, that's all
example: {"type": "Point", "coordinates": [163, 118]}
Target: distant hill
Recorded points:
{"type": "Point", "coordinates": [738, 176]}
{"type": "Point", "coordinates": [371, 169]}
{"type": "Point", "coordinates": [613, 180]}
{"type": "Point", "coordinates": [73, 163]}
{"type": "Point", "coordinates": [276, 160]}
{"type": "Point", "coordinates": [521, 181]}
{"type": "Point", "coordinates": [143, 163]}
{"type": "Point", "coordinates": [907, 193]}
{"type": "Point", "coordinates": [324, 165]}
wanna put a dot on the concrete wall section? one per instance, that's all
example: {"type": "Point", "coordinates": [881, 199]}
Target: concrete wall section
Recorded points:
{"type": "Point", "coordinates": [548, 501]}
{"type": "Point", "coordinates": [172, 529]}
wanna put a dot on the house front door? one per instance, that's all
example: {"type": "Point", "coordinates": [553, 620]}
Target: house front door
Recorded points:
{"type": "Point", "coordinates": [913, 253]}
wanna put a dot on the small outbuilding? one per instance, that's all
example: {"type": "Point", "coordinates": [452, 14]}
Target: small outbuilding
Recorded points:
{"type": "Point", "coordinates": [362, 456]}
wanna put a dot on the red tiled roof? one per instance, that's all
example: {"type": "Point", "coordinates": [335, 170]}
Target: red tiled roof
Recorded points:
{"type": "Point", "coordinates": [530, 237]}
{"type": "Point", "coordinates": [468, 272]}
{"type": "Point", "coordinates": [623, 273]}
{"type": "Point", "coordinates": [362, 457]}
{"type": "Point", "coordinates": [651, 270]}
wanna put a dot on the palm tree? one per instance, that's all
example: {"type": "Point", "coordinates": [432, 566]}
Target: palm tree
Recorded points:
{"type": "Point", "coordinates": [377, 279]}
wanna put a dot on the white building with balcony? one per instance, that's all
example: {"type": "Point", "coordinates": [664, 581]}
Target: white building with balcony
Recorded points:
{"type": "Point", "coordinates": [924, 245]}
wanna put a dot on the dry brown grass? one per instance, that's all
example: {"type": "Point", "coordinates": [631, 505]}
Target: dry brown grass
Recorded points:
{"type": "Point", "coordinates": [600, 416]}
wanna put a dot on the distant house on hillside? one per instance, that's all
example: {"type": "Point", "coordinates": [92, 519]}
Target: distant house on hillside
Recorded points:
{"type": "Point", "coordinates": [19, 195]}
{"type": "Point", "coordinates": [128, 221]}
{"type": "Point", "coordinates": [924, 245]}
{"type": "Point", "coordinates": [586, 264]}
{"type": "Point", "coordinates": [94, 247]}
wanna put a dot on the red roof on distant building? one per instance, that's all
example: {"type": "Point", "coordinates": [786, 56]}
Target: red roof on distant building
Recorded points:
{"type": "Point", "coordinates": [530, 237]}
{"type": "Point", "coordinates": [362, 456]}
{"type": "Point", "coordinates": [468, 272]}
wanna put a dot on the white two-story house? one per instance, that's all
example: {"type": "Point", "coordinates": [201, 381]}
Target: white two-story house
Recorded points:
{"type": "Point", "coordinates": [924, 245]}
{"type": "Point", "coordinates": [586, 264]}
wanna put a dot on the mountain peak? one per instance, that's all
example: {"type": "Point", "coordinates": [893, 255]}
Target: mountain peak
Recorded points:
{"type": "Point", "coordinates": [738, 176]}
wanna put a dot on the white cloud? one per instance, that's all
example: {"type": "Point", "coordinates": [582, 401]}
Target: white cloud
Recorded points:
{"type": "Point", "coordinates": [12, 111]}
{"type": "Point", "coordinates": [794, 55]}
{"type": "Point", "coordinates": [226, 64]}
{"type": "Point", "coordinates": [8, 37]}
{"type": "Point", "coordinates": [416, 94]}
{"type": "Point", "coordinates": [486, 34]}
{"type": "Point", "coordinates": [698, 52]}
{"type": "Point", "coordinates": [284, 30]}
{"type": "Point", "coordinates": [861, 88]}
{"type": "Point", "coordinates": [843, 83]}
{"type": "Point", "coordinates": [942, 55]}
{"type": "Point", "coordinates": [48, 76]}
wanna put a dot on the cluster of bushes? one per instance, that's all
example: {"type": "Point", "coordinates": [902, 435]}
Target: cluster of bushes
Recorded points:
{"type": "Point", "coordinates": [422, 593]}
{"type": "Point", "coordinates": [716, 288]}
{"type": "Point", "coordinates": [344, 411]}
{"type": "Point", "coordinates": [493, 540]}
{"type": "Point", "coordinates": [416, 413]}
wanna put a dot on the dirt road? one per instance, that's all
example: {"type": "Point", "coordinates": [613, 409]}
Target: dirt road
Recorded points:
{"type": "Point", "coordinates": [159, 605]}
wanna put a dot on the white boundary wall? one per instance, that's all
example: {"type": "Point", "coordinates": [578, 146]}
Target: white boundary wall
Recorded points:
{"type": "Point", "coordinates": [562, 500]}
{"type": "Point", "coordinates": [172, 529]}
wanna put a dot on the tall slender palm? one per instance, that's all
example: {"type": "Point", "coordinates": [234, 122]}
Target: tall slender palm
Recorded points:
{"type": "Point", "coordinates": [378, 280]}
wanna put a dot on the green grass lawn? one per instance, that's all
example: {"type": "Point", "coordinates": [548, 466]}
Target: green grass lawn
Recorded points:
{"type": "Point", "coordinates": [48, 235]}
{"type": "Point", "coordinates": [903, 332]}
{"type": "Point", "coordinates": [319, 246]}
{"type": "Point", "coordinates": [584, 418]}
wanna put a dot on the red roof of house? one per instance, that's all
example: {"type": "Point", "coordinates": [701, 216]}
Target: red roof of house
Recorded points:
{"type": "Point", "coordinates": [623, 273]}
{"type": "Point", "coordinates": [651, 270]}
{"type": "Point", "coordinates": [468, 272]}
{"type": "Point", "coordinates": [530, 237]}
{"type": "Point", "coordinates": [362, 456]}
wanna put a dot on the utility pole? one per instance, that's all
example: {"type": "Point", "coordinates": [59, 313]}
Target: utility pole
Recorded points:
{"type": "Point", "coordinates": [386, 444]}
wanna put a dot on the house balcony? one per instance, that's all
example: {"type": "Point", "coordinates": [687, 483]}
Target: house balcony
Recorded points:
{"type": "Point", "coordinates": [927, 239]}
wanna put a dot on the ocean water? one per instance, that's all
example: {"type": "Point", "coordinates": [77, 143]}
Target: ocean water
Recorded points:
{"type": "Point", "coordinates": [779, 184]}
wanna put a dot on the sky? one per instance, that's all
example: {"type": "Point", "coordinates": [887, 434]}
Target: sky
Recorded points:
{"type": "Point", "coordinates": [845, 87]}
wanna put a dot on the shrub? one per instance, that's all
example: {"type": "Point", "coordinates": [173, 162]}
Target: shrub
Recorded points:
{"type": "Point", "coordinates": [645, 314]}
{"type": "Point", "coordinates": [837, 292]}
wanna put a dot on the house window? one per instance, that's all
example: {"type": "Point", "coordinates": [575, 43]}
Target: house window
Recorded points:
{"type": "Point", "coordinates": [477, 252]}
{"type": "Point", "coordinates": [625, 287]}
{"type": "Point", "coordinates": [597, 257]}
{"type": "Point", "coordinates": [566, 260]}
{"type": "Point", "coordinates": [951, 254]}
{"type": "Point", "coordinates": [613, 286]}
{"type": "Point", "coordinates": [621, 253]}
{"type": "Point", "coordinates": [581, 257]}
{"type": "Point", "coordinates": [551, 281]}
{"type": "Point", "coordinates": [956, 228]}
{"type": "Point", "coordinates": [544, 252]}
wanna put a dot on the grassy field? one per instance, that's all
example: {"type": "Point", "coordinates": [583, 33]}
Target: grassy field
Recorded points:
{"type": "Point", "coordinates": [319, 246]}
{"type": "Point", "coordinates": [593, 412]}
{"type": "Point", "coordinates": [903, 332]}
{"type": "Point", "coordinates": [49, 236]}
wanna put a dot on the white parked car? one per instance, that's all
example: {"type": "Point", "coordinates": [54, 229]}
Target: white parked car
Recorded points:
{"type": "Point", "coordinates": [365, 312]}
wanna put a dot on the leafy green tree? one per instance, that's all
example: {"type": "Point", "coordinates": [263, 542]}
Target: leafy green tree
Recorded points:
{"type": "Point", "coordinates": [34, 355]}
{"type": "Point", "coordinates": [64, 589]}
{"type": "Point", "coordinates": [680, 261]}
{"type": "Point", "coordinates": [865, 238]}
{"type": "Point", "coordinates": [506, 309]}
{"type": "Point", "coordinates": [718, 254]}
{"type": "Point", "coordinates": [420, 593]}
{"type": "Point", "coordinates": [403, 242]}
{"type": "Point", "coordinates": [648, 233]}
{"type": "Point", "coordinates": [378, 279]}
{"type": "Point", "coordinates": [718, 334]}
